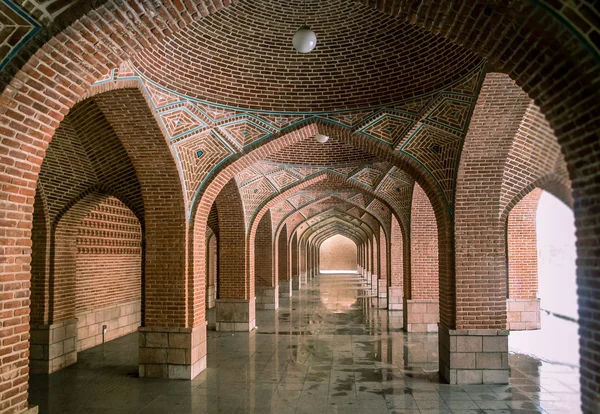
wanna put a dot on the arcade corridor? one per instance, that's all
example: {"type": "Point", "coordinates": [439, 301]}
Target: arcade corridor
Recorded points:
{"type": "Point", "coordinates": [325, 351]}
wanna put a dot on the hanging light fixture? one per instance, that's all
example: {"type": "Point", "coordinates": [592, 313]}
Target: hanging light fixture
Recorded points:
{"type": "Point", "coordinates": [304, 39]}
{"type": "Point", "coordinates": [321, 138]}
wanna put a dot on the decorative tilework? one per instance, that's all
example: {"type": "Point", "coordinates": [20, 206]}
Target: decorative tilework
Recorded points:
{"type": "Point", "coordinates": [359, 200]}
{"type": "Point", "coordinates": [247, 175]}
{"type": "Point", "coordinates": [469, 84]}
{"type": "Point", "coordinates": [181, 120]}
{"type": "Point", "coordinates": [281, 121]}
{"type": "Point", "coordinates": [306, 171]}
{"type": "Point", "coordinates": [283, 178]}
{"type": "Point", "coordinates": [397, 192]}
{"type": "Point", "coordinates": [452, 113]}
{"type": "Point", "coordinates": [351, 119]}
{"type": "Point", "coordinates": [299, 200]}
{"type": "Point", "coordinates": [368, 177]}
{"type": "Point", "coordinates": [125, 71]}
{"type": "Point", "coordinates": [17, 28]}
{"type": "Point", "coordinates": [439, 152]}
{"type": "Point", "coordinates": [194, 168]}
{"type": "Point", "coordinates": [244, 132]}
{"type": "Point", "coordinates": [415, 106]}
{"type": "Point", "coordinates": [345, 171]}
{"type": "Point", "coordinates": [388, 128]}
{"type": "Point", "coordinates": [160, 97]}
{"type": "Point", "coordinates": [254, 193]}
{"type": "Point", "coordinates": [279, 211]}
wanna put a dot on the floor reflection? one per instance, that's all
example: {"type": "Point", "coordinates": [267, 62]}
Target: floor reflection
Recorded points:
{"type": "Point", "coordinates": [326, 350]}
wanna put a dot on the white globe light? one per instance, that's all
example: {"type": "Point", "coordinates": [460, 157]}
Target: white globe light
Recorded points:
{"type": "Point", "coordinates": [321, 138]}
{"type": "Point", "coordinates": [304, 40]}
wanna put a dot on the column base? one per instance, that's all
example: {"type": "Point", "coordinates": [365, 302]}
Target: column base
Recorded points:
{"type": "Point", "coordinates": [421, 315]}
{"type": "Point", "coordinates": [173, 353]}
{"type": "Point", "coordinates": [523, 314]}
{"type": "Point", "coordinates": [267, 297]}
{"type": "Point", "coordinates": [211, 296]}
{"type": "Point", "coordinates": [303, 278]}
{"type": "Point", "coordinates": [285, 288]}
{"type": "Point", "coordinates": [296, 282]}
{"type": "Point", "coordinates": [52, 347]}
{"type": "Point", "coordinates": [374, 283]}
{"type": "Point", "coordinates": [477, 356]}
{"type": "Point", "coordinates": [395, 298]}
{"type": "Point", "coordinates": [236, 315]}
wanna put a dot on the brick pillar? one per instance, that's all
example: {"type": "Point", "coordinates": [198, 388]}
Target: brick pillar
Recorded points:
{"type": "Point", "coordinates": [293, 266]}
{"type": "Point", "coordinates": [211, 270]}
{"type": "Point", "coordinates": [236, 304]}
{"type": "Point", "coordinates": [421, 309]}
{"type": "Point", "coordinates": [522, 303]}
{"type": "Point", "coordinates": [302, 262]}
{"type": "Point", "coordinates": [396, 286]}
{"type": "Point", "coordinates": [283, 276]}
{"type": "Point", "coordinates": [267, 288]}
{"type": "Point", "coordinates": [474, 349]}
{"type": "Point", "coordinates": [382, 287]}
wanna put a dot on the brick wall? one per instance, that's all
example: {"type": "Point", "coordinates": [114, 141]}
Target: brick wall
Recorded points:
{"type": "Point", "coordinates": [108, 262]}
{"type": "Point", "coordinates": [338, 253]}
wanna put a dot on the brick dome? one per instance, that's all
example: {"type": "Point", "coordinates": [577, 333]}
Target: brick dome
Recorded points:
{"type": "Point", "coordinates": [242, 56]}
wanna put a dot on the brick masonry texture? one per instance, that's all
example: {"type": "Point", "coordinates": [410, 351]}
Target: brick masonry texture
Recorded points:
{"type": "Point", "coordinates": [513, 141]}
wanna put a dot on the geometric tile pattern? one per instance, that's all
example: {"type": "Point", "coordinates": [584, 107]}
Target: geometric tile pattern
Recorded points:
{"type": "Point", "coordinates": [380, 209]}
{"type": "Point", "coordinates": [16, 27]}
{"type": "Point", "coordinates": [299, 200]}
{"type": "Point", "coordinates": [451, 113]}
{"type": "Point", "coordinates": [244, 132]}
{"type": "Point", "coordinates": [254, 193]}
{"type": "Point", "coordinates": [439, 152]}
{"type": "Point", "coordinates": [180, 121]}
{"type": "Point", "coordinates": [388, 128]}
{"type": "Point", "coordinates": [368, 177]}
{"type": "Point", "coordinates": [204, 135]}
{"type": "Point", "coordinates": [159, 96]}
{"type": "Point", "coordinates": [198, 155]}
{"type": "Point", "coordinates": [279, 211]}
{"type": "Point", "coordinates": [398, 192]}
{"type": "Point", "coordinates": [283, 178]}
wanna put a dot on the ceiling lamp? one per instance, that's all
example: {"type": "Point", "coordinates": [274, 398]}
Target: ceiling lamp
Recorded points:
{"type": "Point", "coordinates": [321, 138]}
{"type": "Point", "coordinates": [304, 39]}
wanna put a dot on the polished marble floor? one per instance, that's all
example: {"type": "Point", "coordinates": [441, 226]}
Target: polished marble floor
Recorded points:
{"type": "Point", "coordinates": [325, 351]}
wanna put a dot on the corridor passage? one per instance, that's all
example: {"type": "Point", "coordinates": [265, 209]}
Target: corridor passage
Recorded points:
{"type": "Point", "coordinates": [328, 350]}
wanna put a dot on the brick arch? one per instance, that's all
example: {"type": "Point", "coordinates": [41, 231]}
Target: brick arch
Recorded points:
{"type": "Point", "coordinates": [320, 177]}
{"type": "Point", "coordinates": [332, 224]}
{"type": "Point", "coordinates": [342, 201]}
{"type": "Point", "coordinates": [554, 71]}
{"type": "Point", "coordinates": [327, 234]}
{"type": "Point", "coordinates": [312, 231]}
{"type": "Point", "coordinates": [554, 183]}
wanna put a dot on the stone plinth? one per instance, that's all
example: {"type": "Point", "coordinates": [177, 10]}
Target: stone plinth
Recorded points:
{"type": "Point", "coordinates": [267, 297]}
{"type": "Point", "coordinates": [478, 356]}
{"type": "Point", "coordinates": [523, 314]}
{"type": "Point", "coordinates": [395, 298]}
{"type": "Point", "coordinates": [211, 296]}
{"type": "Point", "coordinates": [237, 315]}
{"type": "Point", "coordinates": [52, 347]}
{"type": "Point", "coordinates": [285, 288]}
{"type": "Point", "coordinates": [173, 353]}
{"type": "Point", "coordinates": [421, 315]}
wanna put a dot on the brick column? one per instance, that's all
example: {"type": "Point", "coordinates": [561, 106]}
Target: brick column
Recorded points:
{"type": "Point", "coordinates": [236, 305]}
{"type": "Point", "coordinates": [293, 266]}
{"type": "Point", "coordinates": [283, 276]}
{"type": "Point", "coordinates": [267, 288]}
{"type": "Point", "coordinates": [396, 286]}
